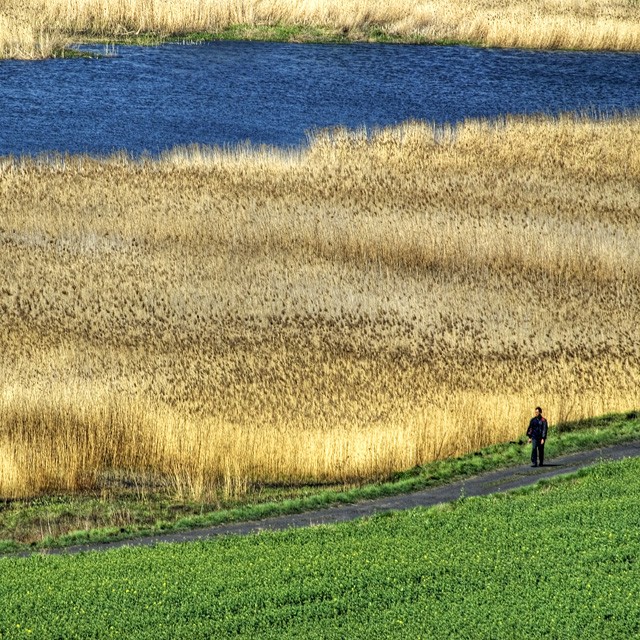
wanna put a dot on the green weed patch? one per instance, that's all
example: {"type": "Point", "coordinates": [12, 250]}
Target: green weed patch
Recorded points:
{"type": "Point", "coordinates": [560, 561]}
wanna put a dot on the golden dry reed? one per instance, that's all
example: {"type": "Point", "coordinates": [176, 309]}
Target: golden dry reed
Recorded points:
{"type": "Point", "coordinates": [213, 320]}
{"type": "Point", "coordinates": [33, 28]}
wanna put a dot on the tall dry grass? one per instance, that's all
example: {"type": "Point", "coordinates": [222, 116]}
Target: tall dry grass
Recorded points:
{"type": "Point", "coordinates": [545, 24]}
{"type": "Point", "coordinates": [224, 319]}
{"type": "Point", "coordinates": [26, 37]}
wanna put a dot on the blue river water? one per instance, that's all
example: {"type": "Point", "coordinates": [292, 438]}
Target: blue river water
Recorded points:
{"type": "Point", "coordinates": [147, 99]}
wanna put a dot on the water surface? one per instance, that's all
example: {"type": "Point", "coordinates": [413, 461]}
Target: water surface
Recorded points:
{"type": "Point", "coordinates": [147, 99]}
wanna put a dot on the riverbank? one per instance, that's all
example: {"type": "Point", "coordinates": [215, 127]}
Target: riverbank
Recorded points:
{"type": "Point", "coordinates": [44, 28]}
{"type": "Point", "coordinates": [276, 33]}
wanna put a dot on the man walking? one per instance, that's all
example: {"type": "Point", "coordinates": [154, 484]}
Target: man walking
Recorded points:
{"type": "Point", "coordinates": [537, 434]}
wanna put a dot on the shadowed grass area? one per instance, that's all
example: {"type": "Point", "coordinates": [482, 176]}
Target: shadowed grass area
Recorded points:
{"type": "Point", "coordinates": [125, 513]}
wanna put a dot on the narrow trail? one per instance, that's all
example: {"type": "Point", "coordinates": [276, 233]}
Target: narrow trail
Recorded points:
{"type": "Point", "coordinates": [484, 484]}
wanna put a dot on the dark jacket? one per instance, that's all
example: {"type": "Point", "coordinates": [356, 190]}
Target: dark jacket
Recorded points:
{"type": "Point", "coordinates": [537, 428]}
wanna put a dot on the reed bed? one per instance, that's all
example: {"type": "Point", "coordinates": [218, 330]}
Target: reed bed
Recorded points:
{"type": "Point", "coordinates": [26, 38]}
{"type": "Point", "coordinates": [26, 25]}
{"type": "Point", "coordinates": [219, 320]}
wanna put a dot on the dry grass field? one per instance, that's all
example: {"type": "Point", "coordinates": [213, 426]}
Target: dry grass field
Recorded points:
{"type": "Point", "coordinates": [216, 320]}
{"type": "Point", "coordinates": [37, 28]}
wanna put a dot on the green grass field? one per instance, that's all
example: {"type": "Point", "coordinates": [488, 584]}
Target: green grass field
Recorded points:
{"type": "Point", "coordinates": [556, 561]}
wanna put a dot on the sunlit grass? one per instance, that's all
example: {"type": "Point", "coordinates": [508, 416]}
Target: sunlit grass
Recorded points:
{"type": "Point", "coordinates": [126, 506]}
{"type": "Point", "coordinates": [26, 26]}
{"type": "Point", "coordinates": [211, 320]}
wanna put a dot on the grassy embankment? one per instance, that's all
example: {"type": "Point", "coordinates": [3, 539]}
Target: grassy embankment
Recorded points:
{"type": "Point", "coordinates": [467, 570]}
{"type": "Point", "coordinates": [214, 324]}
{"type": "Point", "coordinates": [64, 520]}
{"type": "Point", "coordinates": [41, 28]}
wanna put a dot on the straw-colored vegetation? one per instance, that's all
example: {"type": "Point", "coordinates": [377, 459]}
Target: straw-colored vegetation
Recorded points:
{"type": "Point", "coordinates": [221, 319]}
{"type": "Point", "coordinates": [33, 28]}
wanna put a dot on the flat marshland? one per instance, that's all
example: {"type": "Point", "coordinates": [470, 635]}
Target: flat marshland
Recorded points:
{"type": "Point", "coordinates": [40, 28]}
{"type": "Point", "coordinates": [216, 321]}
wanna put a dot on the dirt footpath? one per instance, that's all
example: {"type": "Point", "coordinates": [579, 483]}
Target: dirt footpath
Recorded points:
{"type": "Point", "coordinates": [480, 485]}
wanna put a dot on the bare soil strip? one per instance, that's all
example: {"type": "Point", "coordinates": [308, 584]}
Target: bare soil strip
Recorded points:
{"type": "Point", "coordinates": [484, 484]}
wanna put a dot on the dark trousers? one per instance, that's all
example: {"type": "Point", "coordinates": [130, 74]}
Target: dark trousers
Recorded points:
{"type": "Point", "coordinates": [537, 452]}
